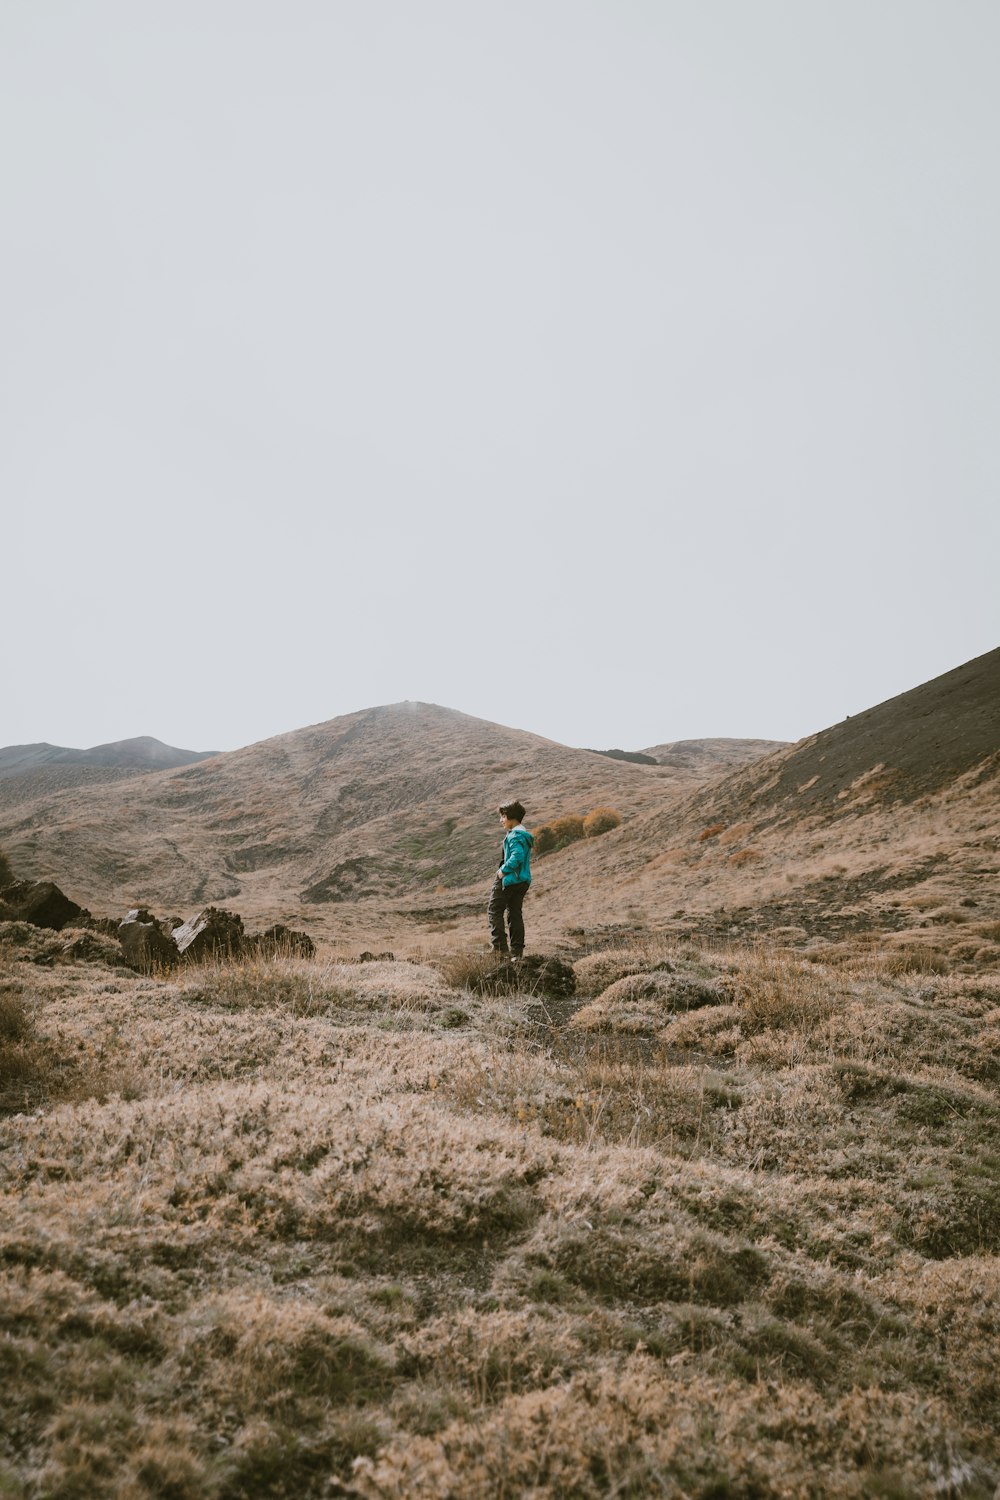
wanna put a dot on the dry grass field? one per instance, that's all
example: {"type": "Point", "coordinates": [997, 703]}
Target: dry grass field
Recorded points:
{"type": "Point", "coordinates": [725, 1224]}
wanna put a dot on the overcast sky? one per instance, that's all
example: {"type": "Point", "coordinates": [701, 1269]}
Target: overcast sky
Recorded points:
{"type": "Point", "coordinates": [623, 372]}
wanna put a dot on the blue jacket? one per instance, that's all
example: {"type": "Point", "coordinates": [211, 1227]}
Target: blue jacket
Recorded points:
{"type": "Point", "coordinates": [516, 866]}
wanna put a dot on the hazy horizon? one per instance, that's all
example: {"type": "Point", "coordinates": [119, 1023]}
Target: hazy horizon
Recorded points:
{"type": "Point", "coordinates": [620, 374]}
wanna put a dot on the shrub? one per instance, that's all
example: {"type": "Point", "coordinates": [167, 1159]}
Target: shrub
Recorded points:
{"type": "Point", "coordinates": [567, 830]}
{"type": "Point", "coordinates": [6, 873]}
{"type": "Point", "coordinates": [557, 834]}
{"type": "Point", "coordinates": [710, 831]}
{"type": "Point", "coordinates": [572, 827]}
{"type": "Point", "coordinates": [545, 839]}
{"type": "Point", "coordinates": [600, 820]}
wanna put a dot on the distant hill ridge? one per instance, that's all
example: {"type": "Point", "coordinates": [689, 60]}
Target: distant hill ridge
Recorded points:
{"type": "Point", "coordinates": [142, 753]}
{"type": "Point", "coordinates": [694, 755]}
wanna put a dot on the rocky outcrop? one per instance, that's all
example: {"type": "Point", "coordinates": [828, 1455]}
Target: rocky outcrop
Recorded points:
{"type": "Point", "coordinates": [213, 933]}
{"type": "Point", "coordinates": [147, 942]}
{"type": "Point", "coordinates": [145, 946]}
{"type": "Point", "coordinates": [281, 940]}
{"type": "Point", "coordinates": [39, 902]}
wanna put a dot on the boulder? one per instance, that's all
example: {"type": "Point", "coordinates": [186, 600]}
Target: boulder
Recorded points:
{"type": "Point", "coordinates": [213, 933]}
{"type": "Point", "coordinates": [283, 940]}
{"type": "Point", "coordinates": [39, 902]}
{"type": "Point", "coordinates": [107, 925]}
{"type": "Point", "coordinates": [144, 946]}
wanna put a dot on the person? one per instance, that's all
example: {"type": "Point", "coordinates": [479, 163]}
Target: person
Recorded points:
{"type": "Point", "coordinates": [510, 886]}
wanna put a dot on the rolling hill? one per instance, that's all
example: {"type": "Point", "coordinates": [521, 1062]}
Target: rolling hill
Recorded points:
{"type": "Point", "coordinates": [379, 827]}
{"type": "Point", "coordinates": [31, 771]}
{"type": "Point", "coordinates": [140, 754]}
{"type": "Point", "coordinates": [367, 808]}
{"type": "Point", "coordinates": [694, 757]}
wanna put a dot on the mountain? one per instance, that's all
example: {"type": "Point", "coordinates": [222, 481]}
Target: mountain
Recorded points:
{"type": "Point", "coordinates": [389, 802]}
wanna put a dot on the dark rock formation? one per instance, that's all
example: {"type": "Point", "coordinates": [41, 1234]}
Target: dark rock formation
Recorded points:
{"type": "Point", "coordinates": [283, 940]}
{"type": "Point", "coordinates": [144, 946]}
{"type": "Point", "coordinates": [108, 925]}
{"type": "Point", "coordinates": [214, 933]}
{"type": "Point", "coordinates": [39, 902]}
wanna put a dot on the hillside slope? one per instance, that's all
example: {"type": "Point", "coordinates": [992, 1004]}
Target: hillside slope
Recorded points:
{"type": "Point", "coordinates": [887, 821]}
{"type": "Point", "coordinates": [374, 804]}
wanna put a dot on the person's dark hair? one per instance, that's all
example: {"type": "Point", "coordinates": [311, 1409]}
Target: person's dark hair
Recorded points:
{"type": "Point", "coordinates": [511, 810]}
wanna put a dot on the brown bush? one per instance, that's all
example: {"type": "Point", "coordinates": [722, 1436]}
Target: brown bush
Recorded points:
{"type": "Point", "coordinates": [545, 839]}
{"type": "Point", "coordinates": [711, 831]}
{"type": "Point", "coordinates": [568, 829]}
{"type": "Point", "coordinates": [557, 834]}
{"type": "Point", "coordinates": [600, 820]}
{"type": "Point", "coordinates": [745, 856]}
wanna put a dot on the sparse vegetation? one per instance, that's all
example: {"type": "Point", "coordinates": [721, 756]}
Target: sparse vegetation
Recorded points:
{"type": "Point", "coordinates": [550, 837]}
{"type": "Point", "coordinates": [731, 1228]}
{"type": "Point", "coordinates": [601, 820]}
{"type": "Point", "coordinates": [711, 832]}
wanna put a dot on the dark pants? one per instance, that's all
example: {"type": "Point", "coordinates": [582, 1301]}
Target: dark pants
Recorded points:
{"type": "Point", "coordinates": [507, 898]}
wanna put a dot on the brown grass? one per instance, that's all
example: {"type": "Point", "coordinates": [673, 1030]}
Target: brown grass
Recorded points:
{"type": "Point", "coordinates": [365, 1232]}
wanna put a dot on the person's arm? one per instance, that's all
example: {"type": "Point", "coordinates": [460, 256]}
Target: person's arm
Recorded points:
{"type": "Point", "coordinates": [512, 861]}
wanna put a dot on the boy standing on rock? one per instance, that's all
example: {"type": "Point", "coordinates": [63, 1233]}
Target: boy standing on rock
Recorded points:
{"type": "Point", "coordinates": [512, 881]}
